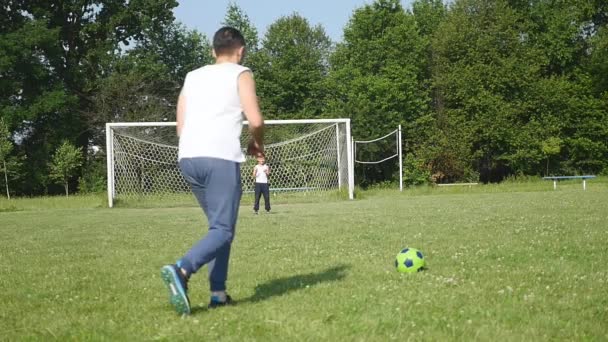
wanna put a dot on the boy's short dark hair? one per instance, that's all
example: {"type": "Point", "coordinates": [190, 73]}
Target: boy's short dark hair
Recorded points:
{"type": "Point", "coordinates": [226, 40]}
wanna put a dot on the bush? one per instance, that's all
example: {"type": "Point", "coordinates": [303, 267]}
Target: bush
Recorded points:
{"type": "Point", "coordinates": [93, 179]}
{"type": "Point", "coordinates": [415, 171]}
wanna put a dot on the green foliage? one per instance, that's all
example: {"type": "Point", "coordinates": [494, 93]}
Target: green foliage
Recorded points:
{"type": "Point", "coordinates": [66, 161]}
{"type": "Point", "coordinates": [550, 147]}
{"type": "Point", "coordinates": [429, 14]}
{"type": "Point", "coordinates": [416, 172]}
{"type": "Point", "coordinates": [52, 57]}
{"type": "Point", "coordinates": [9, 164]}
{"type": "Point", "coordinates": [93, 179]}
{"type": "Point", "coordinates": [290, 69]}
{"type": "Point", "coordinates": [560, 30]}
{"type": "Point", "coordinates": [376, 77]}
{"type": "Point", "coordinates": [597, 62]}
{"type": "Point", "coordinates": [510, 84]}
{"type": "Point", "coordinates": [237, 18]}
{"type": "Point", "coordinates": [170, 52]}
{"type": "Point", "coordinates": [145, 81]}
{"type": "Point", "coordinates": [567, 110]}
{"type": "Point", "coordinates": [481, 70]}
{"type": "Point", "coordinates": [6, 145]}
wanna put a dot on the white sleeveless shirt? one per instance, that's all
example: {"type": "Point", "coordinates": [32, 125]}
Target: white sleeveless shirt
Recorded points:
{"type": "Point", "coordinates": [260, 173]}
{"type": "Point", "coordinates": [213, 113]}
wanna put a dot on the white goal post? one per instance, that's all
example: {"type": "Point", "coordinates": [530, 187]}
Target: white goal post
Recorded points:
{"type": "Point", "coordinates": [398, 152]}
{"type": "Point", "coordinates": [304, 155]}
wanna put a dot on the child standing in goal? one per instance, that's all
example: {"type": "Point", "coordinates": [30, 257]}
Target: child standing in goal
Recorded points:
{"type": "Point", "coordinates": [261, 173]}
{"type": "Point", "coordinates": [209, 124]}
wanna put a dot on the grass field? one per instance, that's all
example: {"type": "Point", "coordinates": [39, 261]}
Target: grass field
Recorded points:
{"type": "Point", "coordinates": [505, 263]}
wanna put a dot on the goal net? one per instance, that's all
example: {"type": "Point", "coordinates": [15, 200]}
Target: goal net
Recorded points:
{"type": "Point", "coordinates": [371, 153]}
{"type": "Point", "coordinates": [303, 155]}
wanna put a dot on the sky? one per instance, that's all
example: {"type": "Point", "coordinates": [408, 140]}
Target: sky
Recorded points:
{"type": "Point", "coordinates": [206, 16]}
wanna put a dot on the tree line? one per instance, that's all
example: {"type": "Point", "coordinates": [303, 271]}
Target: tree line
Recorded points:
{"type": "Point", "coordinates": [484, 90]}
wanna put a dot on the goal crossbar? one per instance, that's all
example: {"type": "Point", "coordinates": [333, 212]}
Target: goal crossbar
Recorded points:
{"type": "Point", "coordinates": [266, 122]}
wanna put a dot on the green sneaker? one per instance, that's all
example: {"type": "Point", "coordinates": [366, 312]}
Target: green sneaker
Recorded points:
{"type": "Point", "coordinates": [177, 285]}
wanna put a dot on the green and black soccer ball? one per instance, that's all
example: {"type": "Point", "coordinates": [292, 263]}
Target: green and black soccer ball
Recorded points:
{"type": "Point", "coordinates": [409, 260]}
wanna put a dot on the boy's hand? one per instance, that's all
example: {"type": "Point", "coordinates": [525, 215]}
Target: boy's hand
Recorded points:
{"type": "Point", "coordinates": [254, 149]}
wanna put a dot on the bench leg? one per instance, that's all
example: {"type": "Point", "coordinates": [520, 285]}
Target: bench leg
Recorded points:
{"type": "Point", "coordinates": [554, 185]}
{"type": "Point", "coordinates": [584, 184]}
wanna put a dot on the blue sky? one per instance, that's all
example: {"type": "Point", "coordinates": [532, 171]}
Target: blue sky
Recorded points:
{"type": "Point", "coordinates": [206, 15]}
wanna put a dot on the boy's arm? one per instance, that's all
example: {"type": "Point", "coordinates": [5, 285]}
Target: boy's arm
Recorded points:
{"type": "Point", "coordinates": [181, 112]}
{"type": "Point", "coordinates": [255, 171]}
{"type": "Point", "coordinates": [251, 108]}
{"type": "Point", "coordinates": [267, 170]}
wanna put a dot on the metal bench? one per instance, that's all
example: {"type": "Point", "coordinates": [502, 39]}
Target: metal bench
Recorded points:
{"type": "Point", "coordinates": [557, 178]}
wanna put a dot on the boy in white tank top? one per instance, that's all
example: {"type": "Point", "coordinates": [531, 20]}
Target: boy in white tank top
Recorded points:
{"type": "Point", "coordinates": [209, 123]}
{"type": "Point", "coordinates": [261, 172]}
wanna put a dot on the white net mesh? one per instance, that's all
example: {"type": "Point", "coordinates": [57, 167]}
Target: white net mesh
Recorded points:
{"type": "Point", "coordinates": [302, 157]}
{"type": "Point", "coordinates": [376, 151]}
{"type": "Point", "coordinates": [370, 153]}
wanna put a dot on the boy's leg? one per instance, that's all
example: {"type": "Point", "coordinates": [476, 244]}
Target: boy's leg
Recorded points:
{"type": "Point", "coordinates": [218, 269]}
{"type": "Point", "coordinates": [217, 187]}
{"type": "Point", "coordinates": [266, 196]}
{"type": "Point", "coordinates": [218, 273]}
{"type": "Point", "coordinates": [258, 194]}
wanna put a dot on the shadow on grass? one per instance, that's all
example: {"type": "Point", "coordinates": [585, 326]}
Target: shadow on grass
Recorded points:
{"type": "Point", "coordinates": [281, 286]}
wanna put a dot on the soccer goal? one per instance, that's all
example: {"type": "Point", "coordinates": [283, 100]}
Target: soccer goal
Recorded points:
{"type": "Point", "coordinates": [380, 150]}
{"type": "Point", "coordinates": [304, 156]}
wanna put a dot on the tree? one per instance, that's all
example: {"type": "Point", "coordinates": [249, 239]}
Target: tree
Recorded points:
{"type": "Point", "coordinates": [172, 50]}
{"type": "Point", "coordinates": [571, 37]}
{"type": "Point", "coordinates": [566, 109]}
{"type": "Point", "coordinates": [508, 77]}
{"type": "Point", "coordinates": [237, 18]}
{"type": "Point", "coordinates": [551, 147]}
{"type": "Point", "coordinates": [53, 54]}
{"type": "Point", "coordinates": [291, 68]}
{"type": "Point", "coordinates": [429, 14]}
{"type": "Point", "coordinates": [6, 147]}
{"type": "Point", "coordinates": [376, 77]}
{"type": "Point", "coordinates": [144, 83]}
{"type": "Point", "coordinates": [560, 30]}
{"type": "Point", "coordinates": [8, 164]}
{"type": "Point", "coordinates": [484, 70]}
{"type": "Point", "coordinates": [596, 64]}
{"type": "Point", "coordinates": [66, 161]}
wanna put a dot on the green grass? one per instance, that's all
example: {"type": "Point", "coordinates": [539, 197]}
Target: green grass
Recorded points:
{"type": "Point", "coordinates": [188, 200]}
{"type": "Point", "coordinates": [54, 202]}
{"type": "Point", "coordinates": [503, 265]}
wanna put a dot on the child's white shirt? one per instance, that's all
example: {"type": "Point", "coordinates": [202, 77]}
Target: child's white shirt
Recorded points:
{"type": "Point", "coordinates": [260, 173]}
